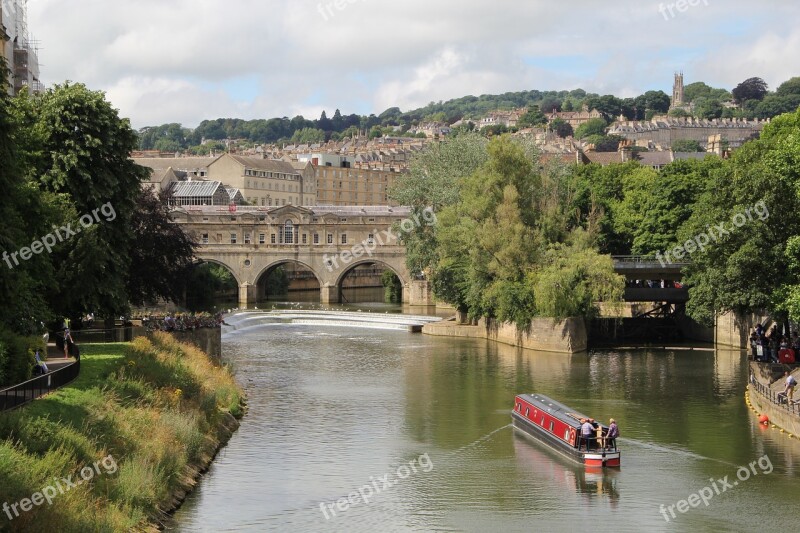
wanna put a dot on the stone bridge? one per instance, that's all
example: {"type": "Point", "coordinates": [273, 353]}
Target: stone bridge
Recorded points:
{"type": "Point", "coordinates": [328, 241]}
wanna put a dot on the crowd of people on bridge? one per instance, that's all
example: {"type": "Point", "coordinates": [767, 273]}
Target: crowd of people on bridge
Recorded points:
{"type": "Point", "coordinates": [653, 284]}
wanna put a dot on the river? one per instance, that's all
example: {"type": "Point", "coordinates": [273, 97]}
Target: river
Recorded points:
{"type": "Point", "coordinates": [420, 426]}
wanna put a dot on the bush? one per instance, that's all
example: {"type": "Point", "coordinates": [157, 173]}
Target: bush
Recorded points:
{"type": "Point", "coordinates": [16, 357]}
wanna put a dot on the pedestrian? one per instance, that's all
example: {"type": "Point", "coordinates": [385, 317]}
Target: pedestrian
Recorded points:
{"type": "Point", "coordinates": [586, 433]}
{"type": "Point", "coordinates": [39, 363]}
{"type": "Point", "coordinates": [67, 342]}
{"type": "Point", "coordinates": [788, 391]}
{"type": "Point", "coordinates": [612, 434]}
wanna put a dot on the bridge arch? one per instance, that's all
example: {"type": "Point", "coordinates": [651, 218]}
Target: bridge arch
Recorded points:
{"type": "Point", "coordinates": [205, 260]}
{"type": "Point", "coordinates": [401, 274]}
{"type": "Point", "coordinates": [299, 277]}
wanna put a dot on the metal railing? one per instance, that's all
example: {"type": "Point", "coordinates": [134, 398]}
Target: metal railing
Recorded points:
{"type": "Point", "coordinates": [39, 386]}
{"type": "Point", "coordinates": [777, 398]}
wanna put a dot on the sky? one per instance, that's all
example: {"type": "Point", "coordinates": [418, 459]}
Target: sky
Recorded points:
{"type": "Point", "coordinates": [162, 61]}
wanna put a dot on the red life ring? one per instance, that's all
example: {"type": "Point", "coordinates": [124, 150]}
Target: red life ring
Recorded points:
{"type": "Point", "coordinates": [572, 436]}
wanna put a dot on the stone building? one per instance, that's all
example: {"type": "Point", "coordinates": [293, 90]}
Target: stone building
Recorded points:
{"type": "Point", "coordinates": [353, 186]}
{"type": "Point", "coordinates": [575, 118]}
{"type": "Point", "coordinates": [19, 48]}
{"type": "Point", "coordinates": [662, 131]}
{"type": "Point", "coordinates": [263, 182]}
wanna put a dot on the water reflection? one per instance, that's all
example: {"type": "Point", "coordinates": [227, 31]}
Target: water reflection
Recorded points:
{"type": "Point", "coordinates": [534, 457]}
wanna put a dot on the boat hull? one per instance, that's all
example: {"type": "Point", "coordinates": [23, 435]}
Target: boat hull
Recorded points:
{"type": "Point", "coordinates": [592, 459]}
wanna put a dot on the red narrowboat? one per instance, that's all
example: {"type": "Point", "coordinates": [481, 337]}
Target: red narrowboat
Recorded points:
{"type": "Point", "coordinates": [559, 427]}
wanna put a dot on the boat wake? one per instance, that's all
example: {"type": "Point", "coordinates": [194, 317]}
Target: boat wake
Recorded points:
{"type": "Point", "coordinates": [476, 442]}
{"type": "Point", "coordinates": [674, 451]}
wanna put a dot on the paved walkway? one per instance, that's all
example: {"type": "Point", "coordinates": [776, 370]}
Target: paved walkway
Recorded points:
{"type": "Point", "coordinates": [55, 358]}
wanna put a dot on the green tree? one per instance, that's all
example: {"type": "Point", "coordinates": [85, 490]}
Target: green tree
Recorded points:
{"type": "Point", "coordinates": [83, 152]}
{"type": "Point", "coordinates": [751, 266]}
{"type": "Point", "coordinates": [561, 127]}
{"type": "Point", "coordinates": [533, 117]}
{"type": "Point", "coordinates": [595, 126]}
{"type": "Point", "coordinates": [308, 136]}
{"type": "Point", "coordinates": [686, 145]}
{"type": "Point", "coordinates": [789, 87]}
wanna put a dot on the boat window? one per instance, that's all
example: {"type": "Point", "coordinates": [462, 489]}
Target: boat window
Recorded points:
{"type": "Point", "coordinates": [551, 426]}
{"type": "Point", "coordinates": [527, 411]}
{"type": "Point", "coordinates": [566, 434]}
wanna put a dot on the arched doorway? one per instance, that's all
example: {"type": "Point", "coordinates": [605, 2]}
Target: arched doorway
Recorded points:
{"type": "Point", "coordinates": [288, 281]}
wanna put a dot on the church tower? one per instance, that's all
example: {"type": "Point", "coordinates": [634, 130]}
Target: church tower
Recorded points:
{"type": "Point", "coordinates": [677, 91]}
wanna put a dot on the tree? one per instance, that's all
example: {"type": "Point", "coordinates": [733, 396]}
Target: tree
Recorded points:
{"type": "Point", "coordinates": [308, 136]}
{"type": "Point", "coordinates": [550, 105]}
{"type": "Point", "coordinates": [707, 108]}
{"type": "Point", "coordinates": [750, 89]}
{"type": "Point", "coordinates": [500, 246]}
{"type": "Point", "coordinates": [657, 101]}
{"type": "Point", "coordinates": [324, 123]}
{"type": "Point", "coordinates": [686, 145]}
{"type": "Point", "coordinates": [567, 106]}
{"type": "Point", "coordinates": [594, 126]}
{"type": "Point", "coordinates": [774, 105]}
{"type": "Point", "coordinates": [533, 117]}
{"type": "Point", "coordinates": [433, 184]}
{"type": "Point", "coordinates": [162, 252]}
{"type": "Point", "coordinates": [701, 90]}
{"type": "Point", "coordinates": [562, 128]}
{"type": "Point", "coordinates": [789, 87]}
{"type": "Point", "coordinates": [83, 153]}
{"type": "Point", "coordinates": [752, 265]}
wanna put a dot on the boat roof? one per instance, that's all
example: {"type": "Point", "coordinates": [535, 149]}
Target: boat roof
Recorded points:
{"type": "Point", "coordinates": [554, 408]}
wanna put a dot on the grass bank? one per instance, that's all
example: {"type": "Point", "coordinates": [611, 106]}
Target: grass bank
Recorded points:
{"type": "Point", "coordinates": [120, 446]}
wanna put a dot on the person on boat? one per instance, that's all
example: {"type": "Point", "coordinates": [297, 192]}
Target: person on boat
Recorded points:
{"type": "Point", "coordinates": [598, 434]}
{"type": "Point", "coordinates": [587, 432]}
{"type": "Point", "coordinates": [612, 434]}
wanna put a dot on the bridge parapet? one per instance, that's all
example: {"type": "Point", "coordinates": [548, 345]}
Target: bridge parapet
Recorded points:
{"type": "Point", "coordinates": [647, 267]}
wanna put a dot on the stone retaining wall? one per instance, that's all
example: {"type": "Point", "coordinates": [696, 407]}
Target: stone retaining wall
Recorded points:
{"type": "Point", "coordinates": [545, 335]}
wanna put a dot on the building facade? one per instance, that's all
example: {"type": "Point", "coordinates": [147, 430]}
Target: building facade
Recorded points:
{"type": "Point", "coordinates": [354, 186]}
{"type": "Point", "coordinates": [20, 50]}
{"type": "Point", "coordinates": [263, 182]}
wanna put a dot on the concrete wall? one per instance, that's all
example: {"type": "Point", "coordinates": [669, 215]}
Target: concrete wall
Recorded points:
{"type": "Point", "coordinates": [545, 335]}
{"type": "Point", "coordinates": [777, 415]}
{"type": "Point", "coordinates": [734, 330]}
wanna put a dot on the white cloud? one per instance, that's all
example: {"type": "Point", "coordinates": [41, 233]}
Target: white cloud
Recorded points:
{"type": "Point", "coordinates": [180, 60]}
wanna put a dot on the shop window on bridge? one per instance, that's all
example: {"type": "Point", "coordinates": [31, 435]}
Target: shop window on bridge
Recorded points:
{"type": "Point", "coordinates": [262, 238]}
{"type": "Point", "coordinates": [288, 232]}
{"type": "Point", "coordinates": [370, 239]}
{"type": "Point", "coordinates": [330, 238]}
{"type": "Point", "coordinates": [305, 238]}
{"type": "Point", "coordinates": [316, 238]}
{"type": "Point", "coordinates": [233, 238]}
{"type": "Point", "coordinates": [204, 238]}
{"type": "Point", "coordinates": [272, 239]}
{"type": "Point", "coordinates": [344, 238]}
{"type": "Point", "coordinates": [247, 238]}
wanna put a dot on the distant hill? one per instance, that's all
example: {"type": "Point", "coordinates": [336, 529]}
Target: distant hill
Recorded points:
{"type": "Point", "coordinates": [705, 102]}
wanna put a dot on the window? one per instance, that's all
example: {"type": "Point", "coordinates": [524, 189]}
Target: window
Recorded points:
{"type": "Point", "coordinates": [205, 219]}
{"type": "Point", "coordinates": [262, 238]}
{"type": "Point", "coordinates": [233, 219]}
{"type": "Point", "coordinates": [344, 238]}
{"type": "Point", "coordinates": [371, 220]}
{"type": "Point", "coordinates": [370, 239]}
{"type": "Point", "coordinates": [305, 238]}
{"type": "Point", "coordinates": [527, 411]}
{"type": "Point", "coordinates": [342, 220]}
{"type": "Point", "coordinates": [330, 238]}
{"type": "Point", "coordinates": [316, 238]}
{"type": "Point", "coordinates": [288, 232]}
{"type": "Point", "coordinates": [233, 238]}
{"type": "Point", "coordinates": [272, 239]}
{"type": "Point", "coordinates": [551, 426]}
{"type": "Point", "coordinates": [247, 237]}
{"type": "Point", "coordinates": [204, 238]}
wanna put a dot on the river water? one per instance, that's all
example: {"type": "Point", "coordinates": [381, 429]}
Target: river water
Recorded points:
{"type": "Point", "coordinates": [420, 426]}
